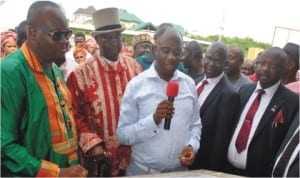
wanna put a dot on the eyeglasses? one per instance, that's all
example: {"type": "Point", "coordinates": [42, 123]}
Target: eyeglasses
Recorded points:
{"type": "Point", "coordinates": [55, 35]}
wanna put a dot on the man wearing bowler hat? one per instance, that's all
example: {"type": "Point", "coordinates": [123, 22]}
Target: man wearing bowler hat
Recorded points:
{"type": "Point", "coordinates": [97, 87]}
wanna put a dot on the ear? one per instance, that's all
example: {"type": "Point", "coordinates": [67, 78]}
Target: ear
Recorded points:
{"type": "Point", "coordinates": [31, 32]}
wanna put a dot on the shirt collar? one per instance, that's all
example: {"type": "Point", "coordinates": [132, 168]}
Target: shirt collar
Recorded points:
{"type": "Point", "coordinates": [152, 73]}
{"type": "Point", "coordinates": [109, 61]}
{"type": "Point", "coordinates": [113, 65]}
{"type": "Point", "coordinates": [269, 91]}
{"type": "Point", "coordinates": [215, 79]}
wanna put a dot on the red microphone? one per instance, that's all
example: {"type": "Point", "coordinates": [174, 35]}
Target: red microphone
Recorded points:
{"type": "Point", "coordinates": [172, 92]}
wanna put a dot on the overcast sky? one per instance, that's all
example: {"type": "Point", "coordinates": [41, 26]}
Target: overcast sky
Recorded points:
{"type": "Point", "coordinates": [256, 19]}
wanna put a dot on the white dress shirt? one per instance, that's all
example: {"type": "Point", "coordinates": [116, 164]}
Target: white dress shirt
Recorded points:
{"type": "Point", "coordinates": [152, 146]}
{"type": "Point", "coordinates": [212, 82]}
{"type": "Point", "coordinates": [239, 160]}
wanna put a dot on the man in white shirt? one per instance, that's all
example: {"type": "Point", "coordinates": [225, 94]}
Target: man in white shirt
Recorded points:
{"type": "Point", "coordinates": [145, 106]}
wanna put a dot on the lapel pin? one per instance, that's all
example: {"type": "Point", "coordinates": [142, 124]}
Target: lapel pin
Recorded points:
{"type": "Point", "coordinates": [274, 108]}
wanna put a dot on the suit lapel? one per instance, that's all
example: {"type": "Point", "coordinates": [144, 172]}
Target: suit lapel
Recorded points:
{"type": "Point", "coordinates": [213, 94]}
{"type": "Point", "coordinates": [245, 95]}
{"type": "Point", "coordinates": [271, 111]}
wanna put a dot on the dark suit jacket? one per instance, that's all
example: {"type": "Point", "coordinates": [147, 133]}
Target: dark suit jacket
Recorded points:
{"type": "Point", "coordinates": [294, 168]}
{"type": "Point", "coordinates": [267, 138]}
{"type": "Point", "coordinates": [218, 113]}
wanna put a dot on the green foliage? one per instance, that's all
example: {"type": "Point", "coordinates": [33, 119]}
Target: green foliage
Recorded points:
{"type": "Point", "coordinates": [244, 43]}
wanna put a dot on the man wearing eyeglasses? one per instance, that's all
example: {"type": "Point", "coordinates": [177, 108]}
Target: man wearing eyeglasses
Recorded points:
{"type": "Point", "coordinates": [38, 133]}
{"type": "Point", "coordinates": [97, 88]}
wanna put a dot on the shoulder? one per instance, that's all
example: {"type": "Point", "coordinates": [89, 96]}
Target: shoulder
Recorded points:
{"type": "Point", "coordinates": [295, 86]}
{"type": "Point", "coordinates": [226, 87]}
{"type": "Point", "coordinates": [249, 87]}
{"type": "Point", "coordinates": [85, 72]}
{"type": "Point", "coordinates": [287, 93]}
{"type": "Point", "coordinates": [131, 64]}
{"type": "Point", "coordinates": [15, 73]}
{"type": "Point", "coordinates": [186, 81]}
{"type": "Point", "coordinates": [246, 78]}
{"type": "Point", "coordinates": [140, 78]}
{"type": "Point", "coordinates": [185, 77]}
{"type": "Point", "coordinates": [128, 60]}
{"type": "Point", "coordinates": [13, 63]}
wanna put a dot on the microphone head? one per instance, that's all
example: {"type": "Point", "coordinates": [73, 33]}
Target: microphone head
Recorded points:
{"type": "Point", "coordinates": [172, 88]}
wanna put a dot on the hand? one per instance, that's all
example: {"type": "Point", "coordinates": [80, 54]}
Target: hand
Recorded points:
{"type": "Point", "coordinates": [73, 171]}
{"type": "Point", "coordinates": [187, 156]}
{"type": "Point", "coordinates": [164, 110]}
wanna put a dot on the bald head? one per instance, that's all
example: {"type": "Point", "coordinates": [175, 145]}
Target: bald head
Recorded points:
{"type": "Point", "coordinates": [221, 48]}
{"type": "Point", "coordinates": [37, 8]}
{"type": "Point", "coordinates": [276, 54]}
{"type": "Point", "coordinates": [238, 51]}
{"type": "Point", "coordinates": [48, 31]}
{"type": "Point", "coordinates": [165, 28]}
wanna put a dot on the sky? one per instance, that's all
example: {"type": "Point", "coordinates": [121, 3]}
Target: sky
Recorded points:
{"type": "Point", "coordinates": [258, 19]}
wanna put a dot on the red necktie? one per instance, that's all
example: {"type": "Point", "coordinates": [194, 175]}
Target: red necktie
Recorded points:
{"type": "Point", "coordinates": [201, 87]}
{"type": "Point", "coordinates": [243, 135]}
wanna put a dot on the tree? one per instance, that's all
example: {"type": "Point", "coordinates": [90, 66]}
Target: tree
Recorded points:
{"type": "Point", "coordinates": [244, 43]}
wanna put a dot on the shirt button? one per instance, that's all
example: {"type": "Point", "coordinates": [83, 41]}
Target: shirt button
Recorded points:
{"type": "Point", "coordinates": [155, 131]}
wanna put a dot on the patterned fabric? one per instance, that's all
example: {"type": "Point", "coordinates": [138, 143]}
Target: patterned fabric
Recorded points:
{"type": "Point", "coordinates": [4, 38]}
{"type": "Point", "coordinates": [7, 35]}
{"type": "Point", "coordinates": [31, 99]}
{"type": "Point", "coordinates": [97, 87]}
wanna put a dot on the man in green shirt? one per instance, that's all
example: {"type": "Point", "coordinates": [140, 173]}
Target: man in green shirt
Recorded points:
{"type": "Point", "coordinates": [38, 133]}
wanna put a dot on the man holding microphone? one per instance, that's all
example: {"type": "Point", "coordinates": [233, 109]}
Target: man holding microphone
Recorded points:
{"type": "Point", "coordinates": [143, 114]}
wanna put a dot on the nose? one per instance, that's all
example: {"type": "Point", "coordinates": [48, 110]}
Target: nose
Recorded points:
{"type": "Point", "coordinates": [147, 49]}
{"type": "Point", "coordinates": [171, 55]}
